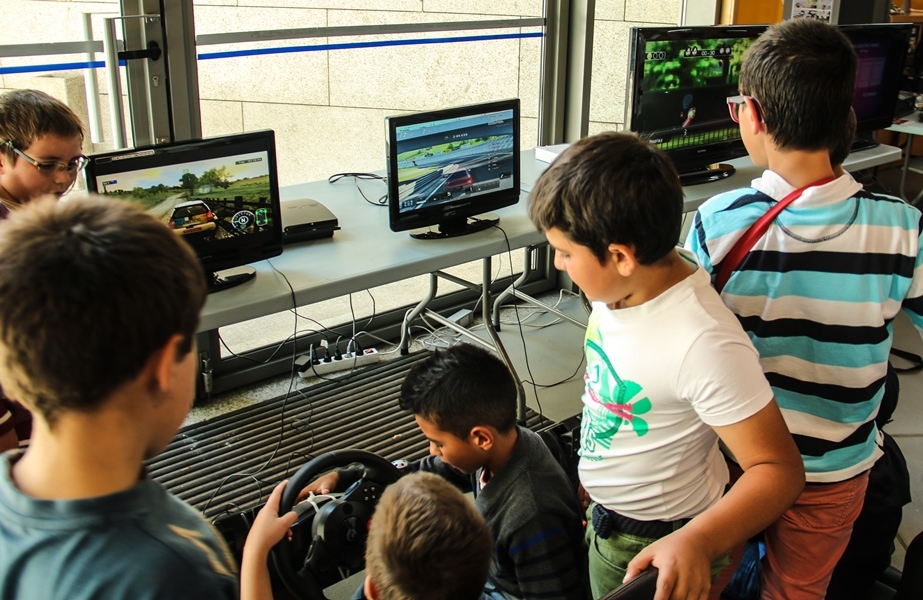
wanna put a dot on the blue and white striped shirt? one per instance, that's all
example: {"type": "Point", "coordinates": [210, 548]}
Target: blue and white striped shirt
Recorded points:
{"type": "Point", "coordinates": [817, 294]}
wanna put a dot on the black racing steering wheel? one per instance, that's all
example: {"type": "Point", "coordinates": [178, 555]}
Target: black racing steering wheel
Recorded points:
{"type": "Point", "coordinates": [328, 539]}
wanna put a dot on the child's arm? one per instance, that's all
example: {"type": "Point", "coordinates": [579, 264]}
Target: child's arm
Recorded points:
{"type": "Point", "coordinates": [773, 479]}
{"type": "Point", "coordinates": [341, 479]}
{"type": "Point", "coordinates": [267, 530]}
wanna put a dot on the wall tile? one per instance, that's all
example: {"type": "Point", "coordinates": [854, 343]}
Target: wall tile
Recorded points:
{"type": "Point", "coordinates": [664, 11]}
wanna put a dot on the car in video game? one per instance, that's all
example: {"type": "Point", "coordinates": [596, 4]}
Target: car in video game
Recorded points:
{"type": "Point", "coordinates": [192, 217]}
{"type": "Point", "coordinates": [458, 180]}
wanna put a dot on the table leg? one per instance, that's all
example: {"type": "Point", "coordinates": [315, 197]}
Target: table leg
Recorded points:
{"type": "Point", "coordinates": [908, 151]}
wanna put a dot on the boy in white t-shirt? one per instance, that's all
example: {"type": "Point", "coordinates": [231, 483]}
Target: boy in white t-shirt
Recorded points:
{"type": "Point", "coordinates": [669, 373]}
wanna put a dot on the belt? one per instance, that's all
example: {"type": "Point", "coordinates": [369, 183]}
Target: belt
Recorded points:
{"type": "Point", "coordinates": [606, 522]}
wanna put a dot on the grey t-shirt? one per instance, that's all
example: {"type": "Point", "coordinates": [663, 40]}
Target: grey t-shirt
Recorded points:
{"type": "Point", "coordinates": [141, 543]}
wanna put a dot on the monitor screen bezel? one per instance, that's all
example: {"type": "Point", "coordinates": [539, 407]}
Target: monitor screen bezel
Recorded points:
{"type": "Point", "coordinates": [427, 217]}
{"type": "Point", "coordinates": [231, 252]}
{"type": "Point", "coordinates": [695, 157]}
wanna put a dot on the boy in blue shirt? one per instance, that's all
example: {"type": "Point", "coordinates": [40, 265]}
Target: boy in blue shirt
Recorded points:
{"type": "Point", "coordinates": [99, 304]}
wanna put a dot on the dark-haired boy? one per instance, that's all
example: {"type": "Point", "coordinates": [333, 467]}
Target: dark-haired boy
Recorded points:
{"type": "Point", "coordinates": [99, 304]}
{"type": "Point", "coordinates": [464, 400]}
{"type": "Point", "coordinates": [38, 136]}
{"type": "Point", "coordinates": [669, 372]}
{"type": "Point", "coordinates": [818, 292]}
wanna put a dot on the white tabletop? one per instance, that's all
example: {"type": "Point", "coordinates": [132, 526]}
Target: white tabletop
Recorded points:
{"type": "Point", "coordinates": [365, 253]}
{"type": "Point", "coordinates": [909, 124]}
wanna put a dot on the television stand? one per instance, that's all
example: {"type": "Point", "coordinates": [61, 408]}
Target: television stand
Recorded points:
{"type": "Point", "coordinates": [456, 227]}
{"type": "Point", "coordinates": [706, 174]}
{"type": "Point", "coordinates": [223, 280]}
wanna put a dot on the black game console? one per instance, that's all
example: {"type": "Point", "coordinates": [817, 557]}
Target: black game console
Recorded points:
{"type": "Point", "coordinates": [306, 219]}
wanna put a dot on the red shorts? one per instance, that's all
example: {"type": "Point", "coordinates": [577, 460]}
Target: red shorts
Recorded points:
{"type": "Point", "coordinates": [806, 542]}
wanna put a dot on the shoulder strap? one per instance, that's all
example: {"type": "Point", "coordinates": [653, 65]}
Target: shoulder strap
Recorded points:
{"type": "Point", "coordinates": [755, 232]}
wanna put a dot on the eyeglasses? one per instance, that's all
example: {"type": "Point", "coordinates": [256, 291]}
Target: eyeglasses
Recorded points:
{"type": "Point", "coordinates": [734, 103]}
{"type": "Point", "coordinates": [50, 168]}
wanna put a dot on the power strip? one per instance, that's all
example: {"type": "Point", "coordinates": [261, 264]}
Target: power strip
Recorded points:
{"type": "Point", "coordinates": [349, 360]}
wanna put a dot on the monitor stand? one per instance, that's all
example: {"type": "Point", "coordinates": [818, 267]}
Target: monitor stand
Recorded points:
{"type": "Point", "coordinates": [862, 143]}
{"type": "Point", "coordinates": [456, 227]}
{"type": "Point", "coordinates": [223, 280]}
{"type": "Point", "coordinates": [706, 174]}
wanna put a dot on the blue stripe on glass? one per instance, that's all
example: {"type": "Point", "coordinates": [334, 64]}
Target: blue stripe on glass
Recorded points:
{"type": "Point", "coordinates": [98, 64]}
{"type": "Point", "coordinates": [356, 45]}
{"type": "Point", "coordinates": [284, 50]}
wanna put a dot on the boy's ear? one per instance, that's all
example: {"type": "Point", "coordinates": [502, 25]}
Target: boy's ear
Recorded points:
{"type": "Point", "coordinates": [752, 118]}
{"type": "Point", "coordinates": [482, 437]}
{"type": "Point", "coordinates": [623, 257]}
{"type": "Point", "coordinates": [369, 589]}
{"type": "Point", "coordinates": [162, 364]}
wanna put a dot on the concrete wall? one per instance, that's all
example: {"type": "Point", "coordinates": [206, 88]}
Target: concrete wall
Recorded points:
{"type": "Point", "coordinates": [614, 19]}
{"type": "Point", "coordinates": [328, 107]}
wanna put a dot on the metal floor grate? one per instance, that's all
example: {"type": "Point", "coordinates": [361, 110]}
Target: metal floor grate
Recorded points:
{"type": "Point", "coordinates": [230, 463]}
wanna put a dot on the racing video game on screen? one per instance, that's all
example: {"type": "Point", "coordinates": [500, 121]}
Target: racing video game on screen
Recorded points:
{"type": "Point", "coordinates": [684, 92]}
{"type": "Point", "coordinates": [453, 159]}
{"type": "Point", "coordinates": [203, 201]}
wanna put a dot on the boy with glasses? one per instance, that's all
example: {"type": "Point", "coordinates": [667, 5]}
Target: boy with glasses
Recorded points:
{"type": "Point", "coordinates": [818, 292]}
{"type": "Point", "coordinates": [41, 142]}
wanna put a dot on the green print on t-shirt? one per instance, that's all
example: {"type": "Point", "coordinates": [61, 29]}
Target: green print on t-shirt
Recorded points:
{"type": "Point", "coordinates": [615, 400]}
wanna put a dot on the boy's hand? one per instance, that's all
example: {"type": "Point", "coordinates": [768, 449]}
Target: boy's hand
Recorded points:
{"type": "Point", "coordinates": [685, 571]}
{"type": "Point", "coordinates": [269, 528]}
{"type": "Point", "coordinates": [583, 497]}
{"type": "Point", "coordinates": [322, 485]}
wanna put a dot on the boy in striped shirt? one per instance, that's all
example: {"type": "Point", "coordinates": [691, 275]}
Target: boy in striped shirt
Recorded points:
{"type": "Point", "coordinates": [817, 294]}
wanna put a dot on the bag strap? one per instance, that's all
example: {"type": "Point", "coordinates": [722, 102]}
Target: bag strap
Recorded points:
{"type": "Point", "coordinates": [755, 232]}
{"type": "Point", "coordinates": [915, 359]}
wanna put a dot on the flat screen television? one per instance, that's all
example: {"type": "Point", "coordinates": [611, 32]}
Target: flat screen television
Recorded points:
{"type": "Point", "coordinates": [220, 194]}
{"type": "Point", "coordinates": [448, 168]}
{"type": "Point", "coordinates": [679, 80]}
{"type": "Point", "coordinates": [882, 51]}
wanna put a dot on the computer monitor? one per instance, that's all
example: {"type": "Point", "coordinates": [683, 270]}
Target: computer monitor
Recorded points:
{"type": "Point", "coordinates": [448, 168]}
{"type": "Point", "coordinates": [678, 83]}
{"type": "Point", "coordinates": [220, 194]}
{"type": "Point", "coordinates": [882, 51]}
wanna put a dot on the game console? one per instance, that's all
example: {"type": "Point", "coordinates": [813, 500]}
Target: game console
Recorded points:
{"type": "Point", "coordinates": [306, 219]}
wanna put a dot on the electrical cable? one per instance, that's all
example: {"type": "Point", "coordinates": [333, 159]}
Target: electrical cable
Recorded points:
{"type": "Point", "coordinates": [531, 380]}
{"type": "Point", "coordinates": [522, 335]}
{"type": "Point", "coordinates": [243, 355]}
{"type": "Point", "coordinates": [382, 201]}
{"type": "Point", "coordinates": [253, 474]}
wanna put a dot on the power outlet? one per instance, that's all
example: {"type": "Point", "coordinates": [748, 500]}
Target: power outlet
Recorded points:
{"type": "Point", "coordinates": [464, 317]}
{"type": "Point", "coordinates": [349, 360]}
